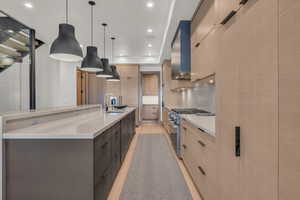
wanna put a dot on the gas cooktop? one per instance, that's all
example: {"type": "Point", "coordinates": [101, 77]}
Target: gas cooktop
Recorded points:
{"type": "Point", "coordinates": [189, 111]}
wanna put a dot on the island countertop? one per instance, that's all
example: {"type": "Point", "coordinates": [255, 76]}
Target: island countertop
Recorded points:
{"type": "Point", "coordinates": [82, 126]}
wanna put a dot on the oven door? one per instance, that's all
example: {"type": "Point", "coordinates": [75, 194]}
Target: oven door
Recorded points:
{"type": "Point", "coordinates": [174, 132]}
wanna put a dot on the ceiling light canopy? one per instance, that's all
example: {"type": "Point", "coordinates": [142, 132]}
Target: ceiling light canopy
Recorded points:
{"type": "Point", "coordinates": [150, 4]}
{"type": "Point", "coordinates": [149, 30]}
{"type": "Point", "coordinates": [28, 5]}
{"type": "Point", "coordinates": [91, 62]}
{"type": "Point", "coordinates": [107, 71]}
{"type": "Point", "coordinates": [66, 47]}
{"type": "Point", "coordinates": [149, 45]}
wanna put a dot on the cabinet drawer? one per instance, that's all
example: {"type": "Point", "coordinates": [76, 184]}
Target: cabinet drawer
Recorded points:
{"type": "Point", "coordinates": [102, 188]}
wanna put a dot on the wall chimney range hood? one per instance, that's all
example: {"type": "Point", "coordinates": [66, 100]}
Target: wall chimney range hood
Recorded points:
{"type": "Point", "coordinates": [181, 52]}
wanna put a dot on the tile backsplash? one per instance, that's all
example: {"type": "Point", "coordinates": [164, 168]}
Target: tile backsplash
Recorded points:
{"type": "Point", "coordinates": [202, 96]}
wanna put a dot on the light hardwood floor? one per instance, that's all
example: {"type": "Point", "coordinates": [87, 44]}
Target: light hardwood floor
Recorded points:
{"type": "Point", "coordinates": [147, 128]}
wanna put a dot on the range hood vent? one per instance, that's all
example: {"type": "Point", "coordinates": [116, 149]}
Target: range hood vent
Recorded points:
{"type": "Point", "coordinates": [181, 52]}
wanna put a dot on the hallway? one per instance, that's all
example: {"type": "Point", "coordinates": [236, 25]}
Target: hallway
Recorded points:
{"type": "Point", "coordinates": [139, 180]}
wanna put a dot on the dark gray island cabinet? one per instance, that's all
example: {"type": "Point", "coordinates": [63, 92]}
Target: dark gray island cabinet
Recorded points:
{"type": "Point", "coordinates": [67, 169]}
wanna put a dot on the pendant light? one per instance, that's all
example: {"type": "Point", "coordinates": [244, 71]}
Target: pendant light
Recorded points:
{"type": "Point", "coordinates": [107, 71]}
{"type": "Point", "coordinates": [91, 62]}
{"type": "Point", "coordinates": [116, 76]}
{"type": "Point", "coordinates": [66, 47]}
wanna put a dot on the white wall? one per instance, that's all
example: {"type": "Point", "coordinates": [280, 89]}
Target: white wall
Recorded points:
{"type": "Point", "coordinates": [55, 83]}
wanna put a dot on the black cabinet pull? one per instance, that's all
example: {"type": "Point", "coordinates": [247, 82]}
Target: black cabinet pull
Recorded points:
{"type": "Point", "coordinates": [184, 146]}
{"type": "Point", "coordinates": [243, 2]}
{"type": "Point", "coordinates": [201, 143]}
{"type": "Point", "coordinates": [201, 170]}
{"type": "Point", "coordinates": [104, 145]}
{"type": "Point", "coordinates": [201, 129]}
{"type": "Point", "coordinates": [237, 141]}
{"type": "Point", "coordinates": [197, 45]}
{"type": "Point", "coordinates": [228, 17]}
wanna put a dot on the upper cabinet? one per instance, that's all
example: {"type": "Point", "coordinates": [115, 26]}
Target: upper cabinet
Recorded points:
{"type": "Point", "coordinates": [204, 39]}
{"type": "Point", "coordinates": [203, 21]}
{"type": "Point", "coordinates": [224, 7]}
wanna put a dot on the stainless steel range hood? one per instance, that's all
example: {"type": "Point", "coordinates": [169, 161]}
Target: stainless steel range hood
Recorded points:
{"type": "Point", "coordinates": [181, 52]}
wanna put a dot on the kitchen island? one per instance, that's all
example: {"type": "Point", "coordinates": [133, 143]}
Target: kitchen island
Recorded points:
{"type": "Point", "coordinates": [67, 153]}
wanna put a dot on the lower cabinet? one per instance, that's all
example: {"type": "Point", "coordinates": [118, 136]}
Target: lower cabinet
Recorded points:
{"type": "Point", "coordinates": [63, 169]}
{"type": "Point", "coordinates": [199, 156]}
{"type": "Point", "coordinates": [110, 149]}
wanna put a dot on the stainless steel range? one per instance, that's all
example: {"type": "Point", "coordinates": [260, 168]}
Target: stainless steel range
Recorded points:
{"type": "Point", "coordinates": [175, 119]}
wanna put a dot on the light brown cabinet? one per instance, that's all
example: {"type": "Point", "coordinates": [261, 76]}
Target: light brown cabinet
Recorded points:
{"type": "Point", "coordinates": [199, 155]}
{"type": "Point", "coordinates": [289, 98]}
{"type": "Point", "coordinates": [203, 21]}
{"type": "Point", "coordinates": [204, 62]}
{"type": "Point", "coordinates": [224, 7]}
{"type": "Point", "coordinates": [247, 81]}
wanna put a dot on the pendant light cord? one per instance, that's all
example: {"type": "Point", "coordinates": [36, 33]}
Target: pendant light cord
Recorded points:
{"type": "Point", "coordinates": [104, 41]}
{"type": "Point", "coordinates": [67, 11]}
{"type": "Point", "coordinates": [92, 26]}
{"type": "Point", "coordinates": [112, 49]}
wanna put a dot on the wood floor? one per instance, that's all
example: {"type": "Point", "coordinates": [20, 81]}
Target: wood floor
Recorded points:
{"type": "Point", "coordinates": [146, 128]}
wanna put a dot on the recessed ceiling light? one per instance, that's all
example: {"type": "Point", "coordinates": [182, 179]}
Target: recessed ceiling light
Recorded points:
{"type": "Point", "coordinates": [149, 30]}
{"type": "Point", "coordinates": [28, 5]}
{"type": "Point", "coordinates": [149, 45]}
{"type": "Point", "coordinates": [10, 31]}
{"type": "Point", "coordinates": [150, 4]}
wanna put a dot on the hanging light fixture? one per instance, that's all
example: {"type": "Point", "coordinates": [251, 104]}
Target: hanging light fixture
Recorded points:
{"type": "Point", "coordinates": [91, 62]}
{"type": "Point", "coordinates": [107, 71]}
{"type": "Point", "coordinates": [116, 76]}
{"type": "Point", "coordinates": [66, 47]}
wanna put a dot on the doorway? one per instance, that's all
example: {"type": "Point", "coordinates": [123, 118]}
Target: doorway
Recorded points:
{"type": "Point", "coordinates": [150, 96]}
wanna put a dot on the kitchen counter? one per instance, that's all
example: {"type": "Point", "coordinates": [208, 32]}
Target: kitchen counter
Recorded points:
{"type": "Point", "coordinates": [86, 125]}
{"type": "Point", "coordinates": [64, 153]}
{"type": "Point", "coordinates": [206, 123]}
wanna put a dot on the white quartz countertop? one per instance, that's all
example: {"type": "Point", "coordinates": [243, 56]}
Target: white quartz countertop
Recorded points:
{"type": "Point", "coordinates": [206, 123]}
{"type": "Point", "coordinates": [83, 126]}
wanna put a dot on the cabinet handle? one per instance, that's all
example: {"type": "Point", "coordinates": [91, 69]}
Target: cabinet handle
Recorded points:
{"type": "Point", "coordinates": [228, 17]}
{"type": "Point", "coordinates": [201, 170]}
{"type": "Point", "coordinates": [243, 2]}
{"type": "Point", "coordinates": [184, 146]}
{"type": "Point", "coordinates": [104, 145]}
{"type": "Point", "coordinates": [184, 128]}
{"type": "Point", "coordinates": [201, 130]}
{"type": "Point", "coordinates": [237, 141]}
{"type": "Point", "coordinates": [197, 45]}
{"type": "Point", "coordinates": [201, 143]}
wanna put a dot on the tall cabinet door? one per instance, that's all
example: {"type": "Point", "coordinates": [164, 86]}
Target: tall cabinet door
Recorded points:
{"type": "Point", "coordinates": [228, 166]}
{"type": "Point", "coordinates": [289, 98]}
{"type": "Point", "coordinates": [258, 100]}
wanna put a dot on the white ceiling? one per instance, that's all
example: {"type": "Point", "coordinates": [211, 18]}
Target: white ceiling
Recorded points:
{"type": "Point", "coordinates": [128, 21]}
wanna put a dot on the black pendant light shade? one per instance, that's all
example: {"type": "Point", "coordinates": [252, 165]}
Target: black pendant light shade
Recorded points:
{"type": "Point", "coordinates": [92, 62]}
{"type": "Point", "coordinates": [107, 70]}
{"type": "Point", "coordinates": [116, 76]}
{"type": "Point", "coordinates": [66, 47]}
